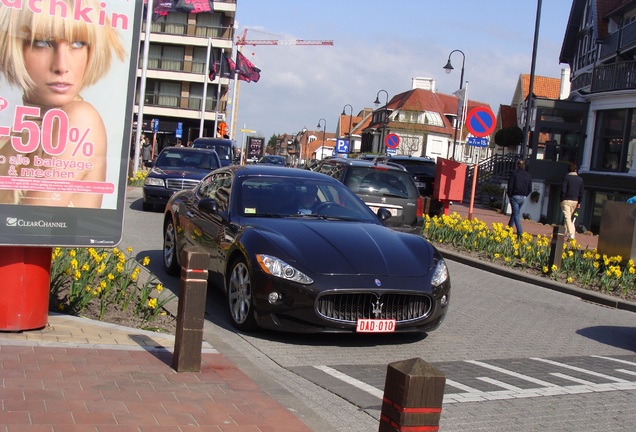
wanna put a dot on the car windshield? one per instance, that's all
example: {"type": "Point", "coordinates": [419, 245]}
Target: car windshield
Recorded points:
{"type": "Point", "coordinates": [278, 160]}
{"type": "Point", "coordinates": [419, 168]}
{"type": "Point", "coordinates": [264, 196]}
{"type": "Point", "coordinates": [381, 182]}
{"type": "Point", "coordinates": [178, 160]}
{"type": "Point", "coordinates": [223, 149]}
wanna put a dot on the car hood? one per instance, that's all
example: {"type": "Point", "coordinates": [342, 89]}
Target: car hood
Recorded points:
{"type": "Point", "coordinates": [349, 248]}
{"type": "Point", "coordinates": [191, 173]}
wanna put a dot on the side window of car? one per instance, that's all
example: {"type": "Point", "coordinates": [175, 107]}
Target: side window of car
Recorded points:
{"type": "Point", "coordinates": [205, 187]}
{"type": "Point", "coordinates": [223, 185]}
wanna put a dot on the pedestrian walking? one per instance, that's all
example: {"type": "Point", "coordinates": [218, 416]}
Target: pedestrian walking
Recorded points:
{"type": "Point", "coordinates": [519, 187]}
{"type": "Point", "coordinates": [146, 152]}
{"type": "Point", "coordinates": [571, 196]}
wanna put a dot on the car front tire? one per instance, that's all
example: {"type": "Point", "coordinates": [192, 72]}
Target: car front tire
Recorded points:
{"type": "Point", "coordinates": [170, 254]}
{"type": "Point", "coordinates": [239, 296]}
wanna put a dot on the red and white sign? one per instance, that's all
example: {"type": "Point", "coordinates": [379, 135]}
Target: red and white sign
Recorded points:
{"type": "Point", "coordinates": [392, 141]}
{"type": "Point", "coordinates": [375, 326]}
{"type": "Point", "coordinates": [481, 121]}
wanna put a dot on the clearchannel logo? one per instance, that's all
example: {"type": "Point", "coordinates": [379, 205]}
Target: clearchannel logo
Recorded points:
{"type": "Point", "coordinates": [16, 222]}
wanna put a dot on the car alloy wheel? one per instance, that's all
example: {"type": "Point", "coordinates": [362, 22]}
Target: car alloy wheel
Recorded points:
{"type": "Point", "coordinates": [170, 259]}
{"type": "Point", "coordinates": [239, 295]}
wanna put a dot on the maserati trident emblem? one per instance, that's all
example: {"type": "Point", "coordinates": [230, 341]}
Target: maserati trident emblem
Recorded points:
{"type": "Point", "coordinates": [377, 308]}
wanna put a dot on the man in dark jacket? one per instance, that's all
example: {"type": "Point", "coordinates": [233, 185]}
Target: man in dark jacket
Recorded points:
{"type": "Point", "coordinates": [519, 187]}
{"type": "Point", "coordinates": [571, 197]}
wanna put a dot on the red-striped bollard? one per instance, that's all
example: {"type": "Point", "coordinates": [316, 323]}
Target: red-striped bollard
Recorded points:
{"type": "Point", "coordinates": [413, 396]}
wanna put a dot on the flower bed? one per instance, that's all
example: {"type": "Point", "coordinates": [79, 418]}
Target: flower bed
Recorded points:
{"type": "Point", "coordinates": [581, 267]}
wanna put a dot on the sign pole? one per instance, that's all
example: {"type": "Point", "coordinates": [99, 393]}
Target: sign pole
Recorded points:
{"type": "Point", "coordinates": [481, 123]}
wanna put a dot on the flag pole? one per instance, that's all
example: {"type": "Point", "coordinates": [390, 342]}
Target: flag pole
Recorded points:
{"type": "Point", "coordinates": [205, 86]}
{"type": "Point", "coordinates": [142, 86]}
{"type": "Point", "coordinates": [463, 117]}
{"type": "Point", "coordinates": [218, 95]}
{"type": "Point", "coordinates": [235, 94]}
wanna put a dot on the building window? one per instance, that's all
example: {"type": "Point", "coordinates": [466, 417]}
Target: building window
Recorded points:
{"type": "Point", "coordinates": [614, 139]}
{"type": "Point", "coordinates": [434, 119]}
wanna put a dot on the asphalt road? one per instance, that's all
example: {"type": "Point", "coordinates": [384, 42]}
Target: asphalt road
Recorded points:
{"type": "Point", "coordinates": [516, 356]}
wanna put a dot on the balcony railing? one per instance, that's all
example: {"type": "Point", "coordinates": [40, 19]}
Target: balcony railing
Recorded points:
{"type": "Point", "coordinates": [619, 40]}
{"type": "Point", "coordinates": [185, 29]}
{"type": "Point", "coordinates": [173, 65]}
{"type": "Point", "coordinates": [614, 76]}
{"type": "Point", "coordinates": [190, 103]}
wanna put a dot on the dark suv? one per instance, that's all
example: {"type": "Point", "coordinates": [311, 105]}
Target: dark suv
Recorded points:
{"type": "Point", "coordinates": [421, 168]}
{"type": "Point", "coordinates": [379, 185]}
{"type": "Point", "coordinates": [222, 146]}
{"type": "Point", "coordinates": [175, 169]}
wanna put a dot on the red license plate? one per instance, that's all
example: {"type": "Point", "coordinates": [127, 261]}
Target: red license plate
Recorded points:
{"type": "Point", "coordinates": [375, 326]}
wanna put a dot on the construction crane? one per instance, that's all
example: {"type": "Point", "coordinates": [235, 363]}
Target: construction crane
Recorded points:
{"type": "Point", "coordinates": [242, 41]}
{"type": "Point", "coordinates": [284, 42]}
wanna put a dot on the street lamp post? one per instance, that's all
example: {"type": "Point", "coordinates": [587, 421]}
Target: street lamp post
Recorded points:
{"type": "Point", "coordinates": [449, 68]}
{"type": "Point", "coordinates": [350, 123]}
{"type": "Point", "coordinates": [386, 113]}
{"type": "Point", "coordinates": [324, 128]}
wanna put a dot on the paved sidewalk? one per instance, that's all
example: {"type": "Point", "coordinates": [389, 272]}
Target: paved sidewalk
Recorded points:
{"type": "Point", "coordinates": [78, 374]}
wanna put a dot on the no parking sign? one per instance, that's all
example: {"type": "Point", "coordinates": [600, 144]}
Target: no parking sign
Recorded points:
{"type": "Point", "coordinates": [481, 121]}
{"type": "Point", "coordinates": [392, 141]}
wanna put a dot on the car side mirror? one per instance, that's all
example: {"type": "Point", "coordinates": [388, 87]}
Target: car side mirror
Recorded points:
{"type": "Point", "coordinates": [384, 214]}
{"type": "Point", "coordinates": [209, 205]}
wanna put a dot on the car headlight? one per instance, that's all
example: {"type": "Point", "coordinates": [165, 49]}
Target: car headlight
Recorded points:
{"type": "Point", "coordinates": [441, 273]}
{"type": "Point", "coordinates": [153, 181]}
{"type": "Point", "coordinates": [279, 268]}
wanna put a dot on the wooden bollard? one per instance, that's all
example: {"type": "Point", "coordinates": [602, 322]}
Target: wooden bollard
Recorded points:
{"type": "Point", "coordinates": [413, 396]}
{"type": "Point", "coordinates": [556, 247]}
{"type": "Point", "coordinates": [191, 312]}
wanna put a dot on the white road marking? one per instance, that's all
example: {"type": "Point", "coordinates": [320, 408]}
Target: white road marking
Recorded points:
{"type": "Point", "coordinates": [578, 369]}
{"type": "Point", "coordinates": [471, 394]}
{"type": "Point", "coordinates": [615, 360]}
{"type": "Point", "coordinates": [571, 378]}
{"type": "Point", "coordinates": [499, 383]}
{"type": "Point", "coordinates": [350, 380]}
{"type": "Point", "coordinates": [514, 374]}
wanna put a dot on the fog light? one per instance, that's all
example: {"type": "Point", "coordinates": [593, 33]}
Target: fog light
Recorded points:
{"type": "Point", "coordinates": [443, 300]}
{"type": "Point", "coordinates": [273, 297]}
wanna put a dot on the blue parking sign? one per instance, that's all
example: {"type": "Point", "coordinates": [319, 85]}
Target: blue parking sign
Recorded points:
{"type": "Point", "coordinates": [342, 146]}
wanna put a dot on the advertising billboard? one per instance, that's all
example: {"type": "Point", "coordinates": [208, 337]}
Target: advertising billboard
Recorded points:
{"type": "Point", "coordinates": [255, 147]}
{"type": "Point", "coordinates": [67, 80]}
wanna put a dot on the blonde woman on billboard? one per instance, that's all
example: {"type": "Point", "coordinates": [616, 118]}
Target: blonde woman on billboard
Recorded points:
{"type": "Point", "coordinates": [51, 58]}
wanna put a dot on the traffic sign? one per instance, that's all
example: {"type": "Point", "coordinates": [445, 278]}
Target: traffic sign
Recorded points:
{"type": "Point", "coordinates": [392, 141]}
{"type": "Point", "coordinates": [481, 121]}
{"type": "Point", "coordinates": [477, 142]}
{"type": "Point", "coordinates": [342, 146]}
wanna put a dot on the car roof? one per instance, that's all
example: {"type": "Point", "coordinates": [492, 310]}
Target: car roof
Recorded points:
{"type": "Point", "coordinates": [187, 150]}
{"type": "Point", "coordinates": [364, 163]}
{"type": "Point", "coordinates": [211, 140]}
{"type": "Point", "coordinates": [405, 158]}
{"type": "Point", "coordinates": [275, 170]}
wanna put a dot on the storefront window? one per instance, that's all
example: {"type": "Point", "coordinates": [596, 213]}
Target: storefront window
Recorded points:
{"type": "Point", "coordinates": [614, 138]}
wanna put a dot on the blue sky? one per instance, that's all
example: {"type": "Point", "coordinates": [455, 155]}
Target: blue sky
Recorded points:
{"type": "Point", "coordinates": [382, 45]}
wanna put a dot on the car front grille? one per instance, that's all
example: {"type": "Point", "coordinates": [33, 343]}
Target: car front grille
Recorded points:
{"type": "Point", "coordinates": [349, 307]}
{"type": "Point", "coordinates": [180, 184]}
